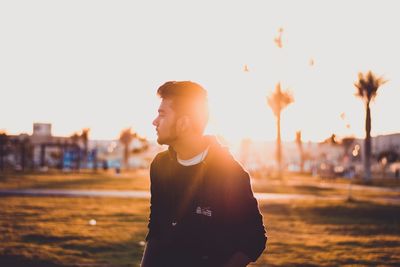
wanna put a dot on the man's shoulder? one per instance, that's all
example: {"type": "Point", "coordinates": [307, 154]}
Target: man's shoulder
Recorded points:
{"type": "Point", "coordinates": [159, 163]}
{"type": "Point", "coordinates": [161, 158]}
{"type": "Point", "coordinates": [222, 155]}
{"type": "Point", "coordinates": [223, 161]}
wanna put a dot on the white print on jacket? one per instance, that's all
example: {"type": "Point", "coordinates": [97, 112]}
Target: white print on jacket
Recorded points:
{"type": "Point", "coordinates": [206, 211]}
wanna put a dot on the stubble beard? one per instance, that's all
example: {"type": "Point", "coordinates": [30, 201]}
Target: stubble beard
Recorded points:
{"type": "Point", "coordinates": [172, 137]}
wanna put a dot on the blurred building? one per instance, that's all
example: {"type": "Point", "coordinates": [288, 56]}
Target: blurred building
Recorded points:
{"type": "Point", "coordinates": [110, 153]}
{"type": "Point", "coordinates": [42, 150]}
{"type": "Point", "coordinates": [326, 158]}
{"type": "Point", "coordinates": [390, 142]}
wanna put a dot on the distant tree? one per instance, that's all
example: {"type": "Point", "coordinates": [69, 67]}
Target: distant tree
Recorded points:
{"type": "Point", "coordinates": [144, 145]}
{"type": "Point", "coordinates": [26, 152]}
{"type": "Point", "coordinates": [126, 136]}
{"type": "Point", "coordinates": [299, 144]}
{"type": "Point", "coordinates": [75, 137]}
{"type": "Point", "coordinates": [4, 140]}
{"type": "Point", "coordinates": [347, 142]}
{"type": "Point", "coordinates": [367, 87]}
{"type": "Point", "coordinates": [331, 140]}
{"type": "Point", "coordinates": [85, 139]}
{"type": "Point", "coordinates": [278, 101]}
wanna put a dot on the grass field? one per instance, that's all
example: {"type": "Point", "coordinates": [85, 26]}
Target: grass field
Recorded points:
{"type": "Point", "coordinates": [133, 180]}
{"type": "Point", "coordinates": [139, 180]}
{"type": "Point", "coordinates": [57, 231]}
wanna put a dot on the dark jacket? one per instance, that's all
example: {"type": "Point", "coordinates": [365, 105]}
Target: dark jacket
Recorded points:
{"type": "Point", "coordinates": [211, 217]}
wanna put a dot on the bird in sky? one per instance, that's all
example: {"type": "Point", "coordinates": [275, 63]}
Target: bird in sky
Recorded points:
{"type": "Point", "coordinates": [278, 40]}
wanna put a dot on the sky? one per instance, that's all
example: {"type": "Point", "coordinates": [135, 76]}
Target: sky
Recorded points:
{"type": "Point", "coordinates": [98, 64]}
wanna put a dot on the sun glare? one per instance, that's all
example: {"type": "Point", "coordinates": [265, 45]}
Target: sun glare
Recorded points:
{"type": "Point", "coordinates": [108, 81]}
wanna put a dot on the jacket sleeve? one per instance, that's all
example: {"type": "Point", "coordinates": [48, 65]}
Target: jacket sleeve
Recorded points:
{"type": "Point", "coordinates": [153, 224]}
{"type": "Point", "coordinates": [247, 221]}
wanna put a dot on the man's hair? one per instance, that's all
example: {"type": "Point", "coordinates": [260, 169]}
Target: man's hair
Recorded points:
{"type": "Point", "coordinates": [188, 98]}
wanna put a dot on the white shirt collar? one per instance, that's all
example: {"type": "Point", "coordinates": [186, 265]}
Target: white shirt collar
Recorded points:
{"type": "Point", "coordinates": [195, 160]}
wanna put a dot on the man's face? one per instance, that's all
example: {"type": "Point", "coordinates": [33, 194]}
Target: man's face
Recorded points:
{"type": "Point", "coordinates": [166, 123]}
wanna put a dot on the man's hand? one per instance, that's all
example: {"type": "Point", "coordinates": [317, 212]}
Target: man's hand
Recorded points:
{"type": "Point", "coordinates": [238, 259]}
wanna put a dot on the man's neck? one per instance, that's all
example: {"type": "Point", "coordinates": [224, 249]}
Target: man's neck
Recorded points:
{"type": "Point", "coordinates": [189, 147]}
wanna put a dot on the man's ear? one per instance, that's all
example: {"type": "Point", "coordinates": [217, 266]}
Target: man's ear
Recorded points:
{"type": "Point", "coordinates": [183, 124]}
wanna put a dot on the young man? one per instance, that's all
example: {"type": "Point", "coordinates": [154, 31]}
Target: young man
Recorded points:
{"type": "Point", "coordinates": [203, 212]}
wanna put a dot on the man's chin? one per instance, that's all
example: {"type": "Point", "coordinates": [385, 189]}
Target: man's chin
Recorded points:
{"type": "Point", "coordinates": [165, 141]}
{"type": "Point", "coordinates": [161, 141]}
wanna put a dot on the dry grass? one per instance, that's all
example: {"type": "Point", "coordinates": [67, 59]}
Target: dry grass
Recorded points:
{"type": "Point", "coordinates": [327, 233]}
{"type": "Point", "coordinates": [139, 180]}
{"type": "Point", "coordinates": [49, 231]}
{"type": "Point", "coordinates": [309, 185]}
{"type": "Point", "coordinates": [133, 180]}
{"type": "Point", "coordinates": [56, 231]}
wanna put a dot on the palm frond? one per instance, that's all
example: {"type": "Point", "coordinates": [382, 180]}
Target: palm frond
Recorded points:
{"type": "Point", "coordinates": [367, 85]}
{"type": "Point", "coordinates": [279, 100]}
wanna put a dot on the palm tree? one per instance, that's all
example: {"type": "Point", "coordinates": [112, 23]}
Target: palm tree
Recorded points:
{"type": "Point", "coordinates": [144, 144]}
{"type": "Point", "coordinates": [331, 140]}
{"type": "Point", "coordinates": [368, 85]}
{"type": "Point", "coordinates": [126, 136]}
{"type": "Point", "coordinates": [278, 101]}
{"type": "Point", "coordinates": [299, 144]}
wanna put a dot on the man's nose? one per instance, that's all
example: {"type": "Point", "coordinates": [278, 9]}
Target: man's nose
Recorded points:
{"type": "Point", "coordinates": [155, 121]}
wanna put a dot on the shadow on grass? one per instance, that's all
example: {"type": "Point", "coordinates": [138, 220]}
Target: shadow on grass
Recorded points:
{"type": "Point", "coordinates": [313, 190]}
{"type": "Point", "coordinates": [112, 254]}
{"type": "Point", "coordinates": [349, 218]}
{"type": "Point", "coordinates": [295, 189]}
{"type": "Point", "coordinates": [385, 182]}
{"type": "Point", "coordinates": [289, 247]}
{"type": "Point", "coordinates": [22, 261]}
{"type": "Point", "coordinates": [295, 264]}
{"type": "Point", "coordinates": [75, 251]}
{"type": "Point", "coordinates": [355, 212]}
{"type": "Point", "coordinates": [371, 244]}
{"type": "Point", "coordinates": [73, 183]}
{"type": "Point", "coordinates": [55, 232]}
{"type": "Point", "coordinates": [43, 239]}
{"type": "Point", "coordinates": [307, 251]}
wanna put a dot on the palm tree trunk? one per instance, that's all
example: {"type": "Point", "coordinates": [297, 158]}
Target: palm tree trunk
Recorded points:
{"type": "Point", "coordinates": [2, 143]}
{"type": "Point", "coordinates": [279, 145]}
{"type": "Point", "coordinates": [367, 144]}
{"type": "Point", "coordinates": [301, 158]}
{"type": "Point", "coordinates": [1, 155]}
{"type": "Point", "coordinates": [23, 154]}
{"type": "Point", "coordinates": [42, 155]}
{"type": "Point", "coordinates": [126, 157]}
{"type": "Point", "coordinates": [78, 161]}
{"type": "Point", "coordinates": [85, 152]}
